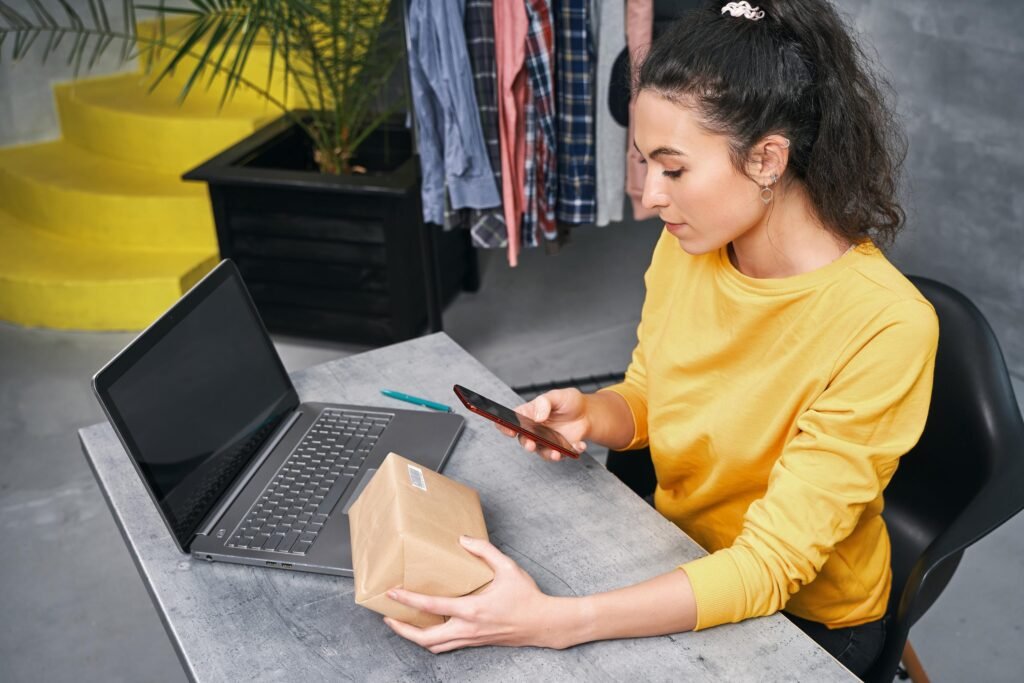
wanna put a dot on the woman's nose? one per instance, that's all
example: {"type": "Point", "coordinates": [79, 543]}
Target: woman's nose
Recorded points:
{"type": "Point", "coordinates": [653, 196]}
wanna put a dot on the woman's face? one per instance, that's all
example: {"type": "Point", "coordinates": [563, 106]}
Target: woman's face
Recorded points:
{"type": "Point", "coordinates": [691, 180]}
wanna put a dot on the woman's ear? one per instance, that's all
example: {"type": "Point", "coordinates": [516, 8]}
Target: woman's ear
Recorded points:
{"type": "Point", "coordinates": [768, 160]}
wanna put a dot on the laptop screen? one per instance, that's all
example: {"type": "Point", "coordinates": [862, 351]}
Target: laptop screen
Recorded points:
{"type": "Point", "coordinates": [194, 397]}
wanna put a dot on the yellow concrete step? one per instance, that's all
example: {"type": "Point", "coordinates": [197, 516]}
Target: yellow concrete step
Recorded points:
{"type": "Point", "coordinates": [70, 191]}
{"type": "Point", "coordinates": [49, 281]}
{"type": "Point", "coordinates": [118, 117]}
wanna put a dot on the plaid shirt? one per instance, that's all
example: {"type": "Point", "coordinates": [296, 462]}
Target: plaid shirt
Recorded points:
{"type": "Point", "coordinates": [577, 194]}
{"type": "Point", "coordinates": [486, 226]}
{"type": "Point", "coordinates": [541, 189]}
{"type": "Point", "coordinates": [528, 226]}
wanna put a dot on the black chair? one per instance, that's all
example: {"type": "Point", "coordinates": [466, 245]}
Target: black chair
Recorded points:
{"type": "Point", "coordinates": [964, 478]}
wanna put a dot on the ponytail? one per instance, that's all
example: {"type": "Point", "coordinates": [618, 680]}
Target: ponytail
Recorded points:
{"type": "Point", "coordinates": [796, 71]}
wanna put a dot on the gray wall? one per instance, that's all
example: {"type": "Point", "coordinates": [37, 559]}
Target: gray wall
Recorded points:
{"type": "Point", "coordinates": [27, 108]}
{"type": "Point", "coordinates": [958, 70]}
{"type": "Point", "coordinates": [28, 112]}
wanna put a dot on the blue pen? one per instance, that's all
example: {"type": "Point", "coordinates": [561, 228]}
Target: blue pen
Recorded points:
{"type": "Point", "coordinates": [416, 399]}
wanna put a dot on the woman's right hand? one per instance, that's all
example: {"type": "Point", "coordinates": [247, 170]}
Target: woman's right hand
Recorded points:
{"type": "Point", "coordinates": [565, 411]}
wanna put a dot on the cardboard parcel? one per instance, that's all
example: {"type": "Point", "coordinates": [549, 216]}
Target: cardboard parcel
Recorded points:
{"type": "Point", "coordinates": [405, 530]}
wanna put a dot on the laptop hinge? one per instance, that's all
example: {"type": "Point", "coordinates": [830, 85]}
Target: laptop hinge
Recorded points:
{"type": "Point", "coordinates": [211, 520]}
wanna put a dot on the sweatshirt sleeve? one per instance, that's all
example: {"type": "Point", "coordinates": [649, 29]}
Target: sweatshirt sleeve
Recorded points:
{"type": "Point", "coordinates": [633, 388]}
{"type": "Point", "coordinates": [843, 455]}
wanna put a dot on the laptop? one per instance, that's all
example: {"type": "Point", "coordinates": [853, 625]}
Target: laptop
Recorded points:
{"type": "Point", "coordinates": [239, 469]}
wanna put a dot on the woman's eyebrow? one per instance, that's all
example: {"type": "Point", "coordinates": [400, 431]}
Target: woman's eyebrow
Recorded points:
{"type": "Point", "coordinates": [662, 151]}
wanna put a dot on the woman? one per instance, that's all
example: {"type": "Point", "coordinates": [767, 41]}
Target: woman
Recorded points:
{"type": "Point", "coordinates": [783, 365]}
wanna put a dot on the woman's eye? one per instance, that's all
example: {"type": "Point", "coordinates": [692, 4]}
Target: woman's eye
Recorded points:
{"type": "Point", "coordinates": [668, 174]}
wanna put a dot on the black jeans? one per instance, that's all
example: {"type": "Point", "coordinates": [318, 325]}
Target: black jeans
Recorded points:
{"type": "Point", "coordinates": [856, 647]}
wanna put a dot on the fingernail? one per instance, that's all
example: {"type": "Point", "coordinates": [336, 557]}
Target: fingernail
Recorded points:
{"type": "Point", "coordinates": [392, 594]}
{"type": "Point", "coordinates": [465, 539]}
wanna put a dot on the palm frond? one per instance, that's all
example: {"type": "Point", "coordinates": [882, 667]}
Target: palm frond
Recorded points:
{"type": "Point", "coordinates": [95, 27]}
{"type": "Point", "coordinates": [232, 27]}
{"type": "Point", "coordinates": [129, 27]}
{"type": "Point", "coordinates": [250, 32]}
{"type": "Point", "coordinates": [196, 29]}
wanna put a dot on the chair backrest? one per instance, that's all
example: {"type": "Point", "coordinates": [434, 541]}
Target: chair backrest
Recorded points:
{"type": "Point", "coordinates": [965, 476]}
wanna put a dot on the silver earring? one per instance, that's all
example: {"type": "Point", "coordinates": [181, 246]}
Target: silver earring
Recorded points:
{"type": "Point", "coordinates": [766, 191]}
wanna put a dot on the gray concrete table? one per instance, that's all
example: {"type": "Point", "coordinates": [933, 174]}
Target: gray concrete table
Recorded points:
{"type": "Point", "coordinates": [572, 525]}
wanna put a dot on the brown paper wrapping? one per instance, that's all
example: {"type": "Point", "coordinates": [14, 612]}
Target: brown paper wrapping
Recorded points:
{"type": "Point", "coordinates": [405, 530]}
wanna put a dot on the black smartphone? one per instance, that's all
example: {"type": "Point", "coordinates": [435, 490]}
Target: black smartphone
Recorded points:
{"type": "Point", "coordinates": [506, 417]}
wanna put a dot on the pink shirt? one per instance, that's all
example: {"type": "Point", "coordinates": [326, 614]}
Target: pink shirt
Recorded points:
{"type": "Point", "coordinates": [639, 29]}
{"type": "Point", "coordinates": [510, 27]}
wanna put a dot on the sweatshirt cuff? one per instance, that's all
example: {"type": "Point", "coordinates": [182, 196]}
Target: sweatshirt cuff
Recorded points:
{"type": "Point", "coordinates": [638, 409]}
{"type": "Point", "coordinates": [718, 589]}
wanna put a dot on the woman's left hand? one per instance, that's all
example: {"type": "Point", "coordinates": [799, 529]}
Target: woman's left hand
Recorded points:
{"type": "Point", "coordinates": [510, 611]}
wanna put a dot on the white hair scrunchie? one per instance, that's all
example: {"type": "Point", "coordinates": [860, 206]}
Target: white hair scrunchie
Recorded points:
{"type": "Point", "coordinates": [743, 9]}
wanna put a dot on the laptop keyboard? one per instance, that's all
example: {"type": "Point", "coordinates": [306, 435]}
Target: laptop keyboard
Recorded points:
{"type": "Point", "coordinates": [218, 473]}
{"type": "Point", "coordinates": [293, 508]}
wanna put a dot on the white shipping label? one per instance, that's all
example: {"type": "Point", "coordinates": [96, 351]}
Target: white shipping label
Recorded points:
{"type": "Point", "coordinates": [416, 478]}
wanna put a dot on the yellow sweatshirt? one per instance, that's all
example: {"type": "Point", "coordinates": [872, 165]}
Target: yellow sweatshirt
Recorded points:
{"type": "Point", "coordinates": [776, 411]}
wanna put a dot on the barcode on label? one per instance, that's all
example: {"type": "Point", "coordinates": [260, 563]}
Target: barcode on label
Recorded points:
{"type": "Point", "coordinates": [416, 478]}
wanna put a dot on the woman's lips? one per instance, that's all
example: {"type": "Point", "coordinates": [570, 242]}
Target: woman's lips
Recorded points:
{"type": "Point", "coordinates": [675, 227]}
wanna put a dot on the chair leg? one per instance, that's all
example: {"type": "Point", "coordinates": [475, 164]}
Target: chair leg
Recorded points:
{"type": "Point", "coordinates": [913, 665]}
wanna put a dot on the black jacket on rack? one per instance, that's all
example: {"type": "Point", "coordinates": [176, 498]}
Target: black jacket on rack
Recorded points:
{"type": "Point", "coordinates": [665, 12]}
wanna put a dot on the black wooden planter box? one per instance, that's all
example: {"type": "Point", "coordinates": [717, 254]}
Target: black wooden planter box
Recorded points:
{"type": "Point", "coordinates": [333, 257]}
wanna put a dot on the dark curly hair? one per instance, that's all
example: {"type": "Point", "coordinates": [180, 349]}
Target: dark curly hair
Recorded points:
{"type": "Point", "coordinates": [796, 72]}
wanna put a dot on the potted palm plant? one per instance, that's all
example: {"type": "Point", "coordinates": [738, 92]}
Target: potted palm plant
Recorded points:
{"type": "Point", "coordinates": [320, 208]}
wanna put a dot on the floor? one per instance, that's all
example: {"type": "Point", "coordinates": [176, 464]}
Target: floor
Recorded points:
{"type": "Point", "coordinates": [75, 609]}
